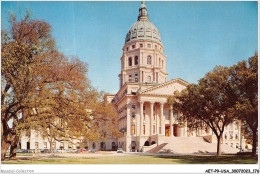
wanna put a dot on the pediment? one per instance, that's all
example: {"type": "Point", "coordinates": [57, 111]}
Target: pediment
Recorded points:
{"type": "Point", "coordinates": [167, 88]}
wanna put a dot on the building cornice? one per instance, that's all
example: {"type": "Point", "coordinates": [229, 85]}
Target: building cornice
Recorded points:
{"type": "Point", "coordinates": [184, 83]}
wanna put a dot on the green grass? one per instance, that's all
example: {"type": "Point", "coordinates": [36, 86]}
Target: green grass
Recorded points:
{"type": "Point", "coordinates": [21, 154]}
{"type": "Point", "coordinates": [141, 159]}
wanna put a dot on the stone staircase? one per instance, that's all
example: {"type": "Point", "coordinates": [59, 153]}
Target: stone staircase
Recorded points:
{"type": "Point", "coordinates": [187, 145]}
{"type": "Point", "coordinates": [157, 148]}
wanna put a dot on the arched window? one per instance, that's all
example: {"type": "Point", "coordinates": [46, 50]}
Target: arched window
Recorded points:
{"type": "Point", "coordinates": [136, 60]}
{"type": "Point", "coordinates": [130, 61]}
{"type": "Point", "coordinates": [149, 60]}
{"type": "Point", "coordinates": [149, 79]}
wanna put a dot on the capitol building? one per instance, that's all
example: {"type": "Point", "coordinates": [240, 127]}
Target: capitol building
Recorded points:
{"type": "Point", "coordinates": [146, 121]}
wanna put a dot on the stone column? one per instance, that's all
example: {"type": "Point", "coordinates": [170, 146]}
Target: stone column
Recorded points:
{"type": "Point", "coordinates": [162, 119]}
{"type": "Point", "coordinates": [157, 123]}
{"type": "Point", "coordinates": [128, 120]}
{"type": "Point", "coordinates": [140, 77]}
{"type": "Point", "coordinates": [171, 121]}
{"type": "Point", "coordinates": [151, 118]}
{"type": "Point", "coordinates": [128, 129]}
{"type": "Point", "coordinates": [141, 117]}
{"type": "Point", "coordinates": [143, 57]}
{"type": "Point", "coordinates": [126, 62]}
{"type": "Point", "coordinates": [124, 79]}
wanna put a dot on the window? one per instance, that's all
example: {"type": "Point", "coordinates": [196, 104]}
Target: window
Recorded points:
{"type": "Point", "coordinates": [130, 61]}
{"type": "Point", "coordinates": [133, 46]}
{"type": "Point", "coordinates": [155, 46]}
{"type": "Point", "coordinates": [149, 45]}
{"type": "Point", "coordinates": [144, 108]}
{"type": "Point", "coordinates": [28, 133]}
{"type": "Point", "coordinates": [133, 129]}
{"type": "Point", "coordinates": [61, 145]}
{"type": "Point", "coordinates": [175, 115]}
{"type": "Point", "coordinates": [130, 78]}
{"type": "Point", "coordinates": [149, 60]}
{"type": "Point", "coordinates": [153, 129]}
{"type": "Point", "coordinates": [36, 145]}
{"type": "Point", "coordinates": [133, 106]}
{"type": "Point", "coordinates": [126, 48]}
{"type": "Point", "coordinates": [207, 130]}
{"type": "Point", "coordinates": [141, 45]}
{"type": "Point", "coordinates": [166, 114]}
{"type": "Point", "coordinates": [70, 146]}
{"type": "Point", "coordinates": [149, 79]}
{"type": "Point", "coordinates": [45, 145]}
{"type": "Point", "coordinates": [160, 131]}
{"type": "Point", "coordinates": [144, 116]}
{"type": "Point", "coordinates": [144, 129]}
{"type": "Point", "coordinates": [136, 75]}
{"type": "Point", "coordinates": [136, 79]}
{"type": "Point", "coordinates": [136, 60]}
{"type": "Point", "coordinates": [133, 115]}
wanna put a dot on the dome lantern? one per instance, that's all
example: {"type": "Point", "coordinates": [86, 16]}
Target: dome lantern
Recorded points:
{"type": "Point", "coordinates": [143, 12]}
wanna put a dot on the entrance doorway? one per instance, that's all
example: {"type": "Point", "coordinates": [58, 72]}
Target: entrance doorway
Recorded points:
{"type": "Point", "coordinates": [28, 145]}
{"type": "Point", "coordinates": [175, 130]}
{"type": "Point", "coordinates": [167, 130]}
{"type": "Point", "coordinates": [102, 146]}
{"type": "Point", "coordinates": [114, 146]}
{"type": "Point", "coordinates": [133, 145]}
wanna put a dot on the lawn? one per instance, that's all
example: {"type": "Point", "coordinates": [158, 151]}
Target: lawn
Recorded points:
{"type": "Point", "coordinates": [142, 159]}
{"type": "Point", "coordinates": [21, 154]}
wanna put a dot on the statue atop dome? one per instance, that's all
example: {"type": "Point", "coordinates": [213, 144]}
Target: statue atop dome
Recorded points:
{"type": "Point", "coordinates": [143, 4]}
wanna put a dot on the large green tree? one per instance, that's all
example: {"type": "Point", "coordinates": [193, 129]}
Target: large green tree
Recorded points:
{"type": "Point", "coordinates": [23, 46]}
{"type": "Point", "coordinates": [45, 91]}
{"type": "Point", "coordinates": [244, 77]}
{"type": "Point", "coordinates": [209, 103]}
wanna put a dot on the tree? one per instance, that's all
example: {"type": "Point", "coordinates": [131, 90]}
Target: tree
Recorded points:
{"type": "Point", "coordinates": [62, 99]}
{"type": "Point", "coordinates": [244, 77]}
{"type": "Point", "coordinates": [209, 102]}
{"type": "Point", "coordinates": [22, 49]}
{"type": "Point", "coordinates": [104, 121]}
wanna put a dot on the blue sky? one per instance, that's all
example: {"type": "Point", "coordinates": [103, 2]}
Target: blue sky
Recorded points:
{"type": "Point", "coordinates": [196, 36]}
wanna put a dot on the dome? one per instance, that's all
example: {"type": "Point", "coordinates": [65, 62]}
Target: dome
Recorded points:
{"type": "Point", "coordinates": [143, 29]}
